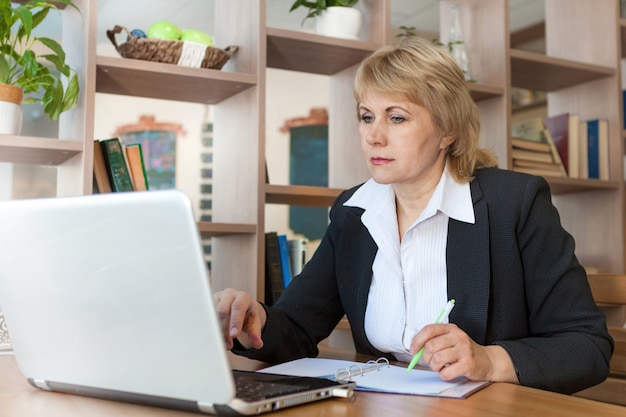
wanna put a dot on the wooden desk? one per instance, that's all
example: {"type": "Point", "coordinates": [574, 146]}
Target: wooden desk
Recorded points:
{"type": "Point", "coordinates": [19, 399]}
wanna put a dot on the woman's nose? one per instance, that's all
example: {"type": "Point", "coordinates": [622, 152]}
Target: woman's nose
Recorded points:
{"type": "Point", "coordinates": [375, 134]}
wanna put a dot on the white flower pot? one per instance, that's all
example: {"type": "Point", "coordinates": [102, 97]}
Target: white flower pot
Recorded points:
{"type": "Point", "coordinates": [10, 118]}
{"type": "Point", "coordinates": [339, 22]}
{"type": "Point", "coordinates": [10, 109]}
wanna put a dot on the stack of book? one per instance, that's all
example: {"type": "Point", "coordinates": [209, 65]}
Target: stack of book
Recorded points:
{"type": "Point", "coordinates": [578, 148]}
{"type": "Point", "coordinates": [534, 151]}
{"type": "Point", "coordinates": [118, 167]}
{"type": "Point", "coordinates": [284, 259]}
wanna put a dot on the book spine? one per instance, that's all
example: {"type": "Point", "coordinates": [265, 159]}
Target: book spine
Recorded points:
{"type": "Point", "coordinates": [134, 155]}
{"type": "Point", "coordinates": [273, 274]}
{"type": "Point", "coordinates": [285, 259]}
{"type": "Point", "coordinates": [558, 127]}
{"type": "Point", "coordinates": [100, 172]}
{"type": "Point", "coordinates": [603, 148]}
{"type": "Point", "coordinates": [593, 149]}
{"type": "Point", "coordinates": [119, 175]}
{"type": "Point", "coordinates": [573, 147]}
{"type": "Point", "coordinates": [584, 163]}
{"type": "Point", "coordinates": [297, 252]}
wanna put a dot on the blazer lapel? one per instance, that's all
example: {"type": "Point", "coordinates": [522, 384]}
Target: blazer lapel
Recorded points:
{"type": "Point", "coordinates": [468, 250]}
{"type": "Point", "coordinates": [357, 245]}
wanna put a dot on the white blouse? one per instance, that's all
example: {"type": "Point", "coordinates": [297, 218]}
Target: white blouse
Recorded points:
{"type": "Point", "coordinates": [409, 281]}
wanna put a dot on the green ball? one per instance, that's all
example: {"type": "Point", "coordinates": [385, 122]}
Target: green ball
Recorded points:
{"type": "Point", "coordinates": [164, 30]}
{"type": "Point", "coordinates": [192, 35]}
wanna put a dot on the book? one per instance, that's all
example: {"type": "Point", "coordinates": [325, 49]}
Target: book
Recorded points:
{"type": "Point", "coordinates": [582, 145]}
{"type": "Point", "coordinates": [136, 165]}
{"type": "Point", "coordinates": [530, 129]}
{"type": "Point", "coordinates": [564, 131]}
{"type": "Point", "coordinates": [114, 156]}
{"type": "Point", "coordinates": [380, 376]}
{"type": "Point", "coordinates": [604, 150]}
{"type": "Point", "coordinates": [285, 259]}
{"type": "Point", "coordinates": [542, 172]}
{"type": "Point", "coordinates": [100, 170]}
{"type": "Point", "coordinates": [556, 157]}
{"type": "Point", "coordinates": [593, 149]}
{"type": "Point", "coordinates": [273, 274]}
{"type": "Point", "coordinates": [551, 166]}
{"type": "Point", "coordinates": [597, 149]}
{"type": "Point", "coordinates": [531, 155]}
{"type": "Point", "coordinates": [297, 253]}
{"type": "Point", "coordinates": [530, 145]}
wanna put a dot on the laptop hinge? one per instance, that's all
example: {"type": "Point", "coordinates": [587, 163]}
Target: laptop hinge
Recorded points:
{"type": "Point", "coordinates": [206, 407]}
{"type": "Point", "coordinates": [39, 383]}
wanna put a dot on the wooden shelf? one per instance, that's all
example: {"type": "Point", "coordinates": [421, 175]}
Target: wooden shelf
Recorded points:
{"type": "Point", "coordinates": [312, 53]}
{"type": "Point", "coordinates": [301, 195]}
{"type": "Point", "coordinates": [539, 72]}
{"type": "Point", "coordinates": [209, 229]}
{"type": "Point", "coordinates": [559, 185]}
{"type": "Point", "coordinates": [133, 77]}
{"type": "Point", "coordinates": [481, 92]}
{"type": "Point", "coordinates": [37, 151]}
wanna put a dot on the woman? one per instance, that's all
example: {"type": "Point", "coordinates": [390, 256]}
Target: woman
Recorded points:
{"type": "Point", "coordinates": [436, 221]}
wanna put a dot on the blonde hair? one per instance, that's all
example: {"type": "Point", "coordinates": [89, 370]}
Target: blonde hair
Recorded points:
{"type": "Point", "coordinates": [427, 75]}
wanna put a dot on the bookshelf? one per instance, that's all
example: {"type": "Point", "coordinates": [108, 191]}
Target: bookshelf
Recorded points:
{"type": "Point", "coordinates": [595, 213]}
{"type": "Point", "coordinates": [580, 71]}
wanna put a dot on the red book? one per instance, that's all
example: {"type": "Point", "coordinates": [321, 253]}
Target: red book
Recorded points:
{"type": "Point", "coordinates": [564, 131]}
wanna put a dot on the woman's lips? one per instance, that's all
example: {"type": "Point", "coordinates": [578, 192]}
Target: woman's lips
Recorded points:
{"type": "Point", "coordinates": [380, 161]}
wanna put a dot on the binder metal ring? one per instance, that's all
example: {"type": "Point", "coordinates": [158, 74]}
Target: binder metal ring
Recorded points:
{"type": "Point", "coordinates": [356, 370]}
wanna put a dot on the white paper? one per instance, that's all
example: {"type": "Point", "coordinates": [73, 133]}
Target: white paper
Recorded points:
{"type": "Point", "coordinates": [389, 378]}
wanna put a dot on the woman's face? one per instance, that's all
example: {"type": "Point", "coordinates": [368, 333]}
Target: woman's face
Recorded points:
{"type": "Point", "coordinates": [399, 140]}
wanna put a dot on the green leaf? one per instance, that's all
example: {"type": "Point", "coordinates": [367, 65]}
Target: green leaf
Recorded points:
{"type": "Point", "coordinates": [4, 69]}
{"type": "Point", "coordinates": [71, 93]}
{"type": "Point", "coordinates": [26, 18]}
{"type": "Point", "coordinates": [53, 101]}
{"type": "Point", "coordinates": [296, 4]}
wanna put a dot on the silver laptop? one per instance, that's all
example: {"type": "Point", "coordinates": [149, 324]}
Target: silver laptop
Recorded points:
{"type": "Point", "coordinates": [108, 296]}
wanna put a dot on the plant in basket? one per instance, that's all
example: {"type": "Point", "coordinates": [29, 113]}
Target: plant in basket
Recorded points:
{"type": "Point", "coordinates": [32, 67]}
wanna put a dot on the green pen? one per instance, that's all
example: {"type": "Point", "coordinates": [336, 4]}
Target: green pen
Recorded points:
{"type": "Point", "coordinates": [444, 313]}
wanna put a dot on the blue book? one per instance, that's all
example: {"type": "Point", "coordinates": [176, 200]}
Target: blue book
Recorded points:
{"type": "Point", "coordinates": [593, 148]}
{"type": "Point", "coordinates": [285, 259]}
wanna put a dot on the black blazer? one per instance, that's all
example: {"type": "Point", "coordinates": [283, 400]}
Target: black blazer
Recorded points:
{"type": "Point", "coordinates": [513, 274]}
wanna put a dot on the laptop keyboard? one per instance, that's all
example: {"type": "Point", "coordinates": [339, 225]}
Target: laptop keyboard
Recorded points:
{"type": "Point", "coordinates": [250, 390]}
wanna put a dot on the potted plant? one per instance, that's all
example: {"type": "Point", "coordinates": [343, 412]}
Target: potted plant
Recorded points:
{"type": "Point", "coordinates": [35, 65]}
{"type": "Point", "coordinates": [336, 18]}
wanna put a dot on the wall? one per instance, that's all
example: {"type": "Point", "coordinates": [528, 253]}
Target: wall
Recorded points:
{"type": "Point", "coordinates": [289, 95]}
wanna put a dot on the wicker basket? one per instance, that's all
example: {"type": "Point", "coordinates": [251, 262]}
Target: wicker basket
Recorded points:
{"type": "Point", "coordinates": [159, 50]}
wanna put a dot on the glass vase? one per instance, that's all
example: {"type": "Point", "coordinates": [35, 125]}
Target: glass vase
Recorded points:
{"type": "Point", "coordinates": [456, 41]}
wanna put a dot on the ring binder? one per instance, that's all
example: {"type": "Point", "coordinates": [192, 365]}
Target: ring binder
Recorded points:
{"type": "Point", "coordinates": [356, 370]}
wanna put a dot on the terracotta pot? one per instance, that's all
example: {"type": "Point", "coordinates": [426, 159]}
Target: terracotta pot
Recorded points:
{"type": "Point", "coordinates": [11, 93]}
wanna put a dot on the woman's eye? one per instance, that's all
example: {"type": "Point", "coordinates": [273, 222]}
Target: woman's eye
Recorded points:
{"type": "Point", "coordinates": [366, 118]}
{"type": "Point", "coordinates": [398, 119]}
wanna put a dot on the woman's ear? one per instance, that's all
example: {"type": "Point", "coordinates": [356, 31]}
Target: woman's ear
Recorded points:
{"type": "Point", "coordinates": [446, 141]}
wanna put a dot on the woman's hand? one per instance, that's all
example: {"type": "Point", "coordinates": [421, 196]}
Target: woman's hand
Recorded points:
{"type": "Point", "coordinates": [241, 317]}
{"type": "Point", "coordinates": [451, 352]}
